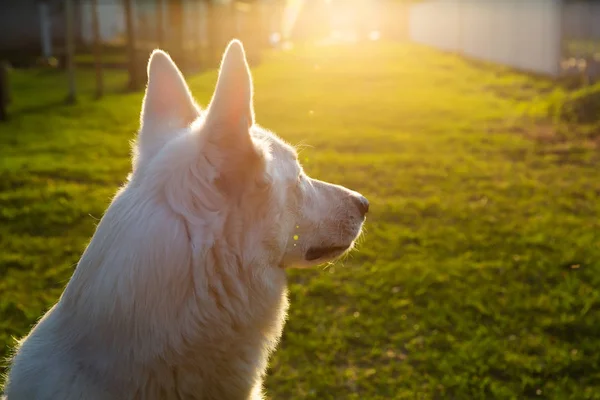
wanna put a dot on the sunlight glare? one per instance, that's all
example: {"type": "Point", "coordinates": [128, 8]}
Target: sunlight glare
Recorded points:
{"type": "Point", "coordinates": [275, 38]}
{"type": "Point", "coordinates": [290, 15]}
{"type": "Point", "coordinates": [374, 35]}
{"type": "Point", "coordinates": [346, 21]}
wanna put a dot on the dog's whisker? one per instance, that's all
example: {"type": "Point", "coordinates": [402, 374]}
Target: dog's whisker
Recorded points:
{"type": "Point", "coordinates": [300, 146]}
{"type": "Point", "coordinates": [94, 218]}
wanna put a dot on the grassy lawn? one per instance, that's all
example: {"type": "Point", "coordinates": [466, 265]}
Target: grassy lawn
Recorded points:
{"type": "Point", "coordinates": [479, 274]}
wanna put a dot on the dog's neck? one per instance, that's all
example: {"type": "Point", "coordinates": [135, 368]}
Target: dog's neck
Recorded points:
{"type": "Point", "coordinates": [175, 307]}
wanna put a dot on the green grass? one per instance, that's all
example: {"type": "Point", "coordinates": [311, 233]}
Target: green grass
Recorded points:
{"type": "Point", "coordinates": [89, 59]}
{"type": "Point", "coordinates": [479, 273]}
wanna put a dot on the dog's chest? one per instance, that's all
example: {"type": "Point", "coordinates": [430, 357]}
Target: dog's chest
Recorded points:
{"type": "Point", "coordinates": [230, 366]}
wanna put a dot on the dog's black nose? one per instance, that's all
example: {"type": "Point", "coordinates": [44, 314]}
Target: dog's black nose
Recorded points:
{"type": "Point", "coordinates": [362, 204]}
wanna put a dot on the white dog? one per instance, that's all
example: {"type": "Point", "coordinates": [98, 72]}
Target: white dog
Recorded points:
{"type": "Point", "coordinates": [181, 293]}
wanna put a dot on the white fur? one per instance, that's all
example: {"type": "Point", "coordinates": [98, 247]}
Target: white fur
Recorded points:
{"type": "Point", "coordinates": [181, 293]}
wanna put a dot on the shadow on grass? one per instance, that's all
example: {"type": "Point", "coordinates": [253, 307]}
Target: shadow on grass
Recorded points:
{"type": "Point", "coordinates": [37, 108]}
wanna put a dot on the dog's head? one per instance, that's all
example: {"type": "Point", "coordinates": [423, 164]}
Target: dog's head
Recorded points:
{"type": "Point", "coordinates": [234, 183]}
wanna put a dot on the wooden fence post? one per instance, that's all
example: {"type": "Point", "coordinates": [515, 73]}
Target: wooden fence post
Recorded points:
{"type": "Point", "coordinates": [211, 32]}
{"type": "Point", "coordinates": [4, 91]}
{"type": "Point", "coordinates": [160, 22]}
{"type": "Point", "coordinates": [45, 29]}
{"type": "Point", "coordinates": [134, 78]}
{"type": "Point", "coordinates": [70, 51]}
{"type": "Point", "coordinates": [176, 46]}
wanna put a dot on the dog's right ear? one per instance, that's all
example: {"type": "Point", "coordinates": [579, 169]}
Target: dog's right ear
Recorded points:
{"type": "Point", "coordinates": [229, 118]}
{"type": "Point", "coordinates": [231, 106]}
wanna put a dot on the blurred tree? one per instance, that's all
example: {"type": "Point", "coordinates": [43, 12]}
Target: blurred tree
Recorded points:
{"type": "Point", "coordinates": [313, 21]}
{"type": "Point", "coordinates": [97, 48]}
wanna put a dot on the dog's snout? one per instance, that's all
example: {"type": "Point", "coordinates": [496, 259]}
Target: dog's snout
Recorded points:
{"type": "Point", "coordinates": [362, 204]}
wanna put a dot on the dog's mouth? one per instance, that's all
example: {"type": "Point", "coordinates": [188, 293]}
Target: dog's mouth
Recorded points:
{"type": "Point", "coordinates": [314, 253]}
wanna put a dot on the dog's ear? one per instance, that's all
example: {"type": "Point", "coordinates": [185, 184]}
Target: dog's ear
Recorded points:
{"type": "Point", "coordinates": [229, 117]}
{"type": "Point", "coordinates": [168, 104]}
{"type": "Point", "coordinates": [231, 105]}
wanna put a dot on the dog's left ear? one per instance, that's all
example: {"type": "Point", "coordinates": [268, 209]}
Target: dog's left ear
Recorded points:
{"type": "Point", "coordinates": [168, 106]}
{"type": "Point", "coordinates": [168, 100]}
